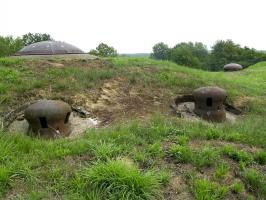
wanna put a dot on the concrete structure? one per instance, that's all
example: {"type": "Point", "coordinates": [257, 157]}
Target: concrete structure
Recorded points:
{"type": "Point", "coordinates": [49, 118]}
{"type": "Point", "coordinates": [49, 48]}
{"type": "Point", "coordinates": [232, 67]}
{"type": "Point", "coordinates": [209, 103]}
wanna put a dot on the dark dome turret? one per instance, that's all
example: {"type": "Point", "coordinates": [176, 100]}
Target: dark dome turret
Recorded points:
{"type": "Point", "coordinates": [49, 48]}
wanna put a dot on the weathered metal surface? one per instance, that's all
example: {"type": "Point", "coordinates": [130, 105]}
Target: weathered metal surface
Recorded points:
{"type": "Point", "coordinates": [209, 103]}
{"type": "Point", "coordinates": [49, 48]}
{"type": "Point", "coordinates": [232, 67]}
{"type": "Point", "coordinates": [49, 118]}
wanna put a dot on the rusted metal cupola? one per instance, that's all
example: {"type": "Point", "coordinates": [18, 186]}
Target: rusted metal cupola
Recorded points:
{"type": "Point", "coordinates": [209, 103]}
{"type": "Point", "coordinates": [49, 118]}
{"type": "Point", "coordinates": [232, 67]}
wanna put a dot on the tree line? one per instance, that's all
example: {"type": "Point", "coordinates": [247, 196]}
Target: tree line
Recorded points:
{"type": "Point", "coordinates": [196, 55]}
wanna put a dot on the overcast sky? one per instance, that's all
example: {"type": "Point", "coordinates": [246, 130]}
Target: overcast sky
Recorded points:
{"type": "Point", "coordinates": [133, 26]}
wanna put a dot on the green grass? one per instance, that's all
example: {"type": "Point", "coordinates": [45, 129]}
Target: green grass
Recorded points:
{"type": "Point", "coordinates": [119, 180]}
{"type": "Point", "coordinates": [221, 170]}
{"type": "Point", "coordinates": [206, 157]}
{"type": "Point", "coordinates": [131, 160]}
{"type": "Point", "coordinates": [260, 157]}
{"type": "Point", "coordinates": [180, 154]}
{"type": "Point", "coordinates": [204, 189]}
{"type": "Point", "coordinates": [255, 182]}
{"type": "Point", "coordinates": [237, 155]}
{"type": "Point", "coordinates": [237, 187]}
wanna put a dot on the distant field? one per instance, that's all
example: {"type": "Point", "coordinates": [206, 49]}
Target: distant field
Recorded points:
{"type": "Point", "coordinates": [136, 55]}
{"type": "Point", "coordinates": [141, 150]}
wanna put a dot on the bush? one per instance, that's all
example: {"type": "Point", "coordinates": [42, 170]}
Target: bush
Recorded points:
{"type": "Point", "coordinates": [160, 51]}
{"type": "Point", "coordinates": [10, 45]}
{"type": "Point", "coordinates": [104, 50]}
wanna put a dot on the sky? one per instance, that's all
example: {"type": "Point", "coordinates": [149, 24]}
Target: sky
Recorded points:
{"type": "Point", "coordinates": [134, 26]}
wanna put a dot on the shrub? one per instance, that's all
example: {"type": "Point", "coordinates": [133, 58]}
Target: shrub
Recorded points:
{"type": "Point", "coordinates": [104, 50]}
{"type": "Point", "coordinates": [120, 180]}
{"type": "Point", "coordinates": [9, 45]}
{"type": "Point", "coordinates": [160, 51]}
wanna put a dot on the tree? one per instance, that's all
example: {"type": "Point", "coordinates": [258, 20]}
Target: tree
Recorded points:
{"type": "Point", "coordinates": [224, 52]}
{"type": "Point", "coordinates": [194, 54]}
{"type": "Point", "coordinates": [160, 51]}
{"type": "Point", "coordinates": [183, 56]}
{"type": "Point", "coordinates": [10, 45]}
{"type": "Point", "coordinates": [31, 38]}
{"type": "Point", "coordinates": [104, 50]}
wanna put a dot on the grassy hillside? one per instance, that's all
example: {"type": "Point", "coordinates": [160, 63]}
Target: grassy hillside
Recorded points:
{"type": "Point", "coordinates": [141, 149]}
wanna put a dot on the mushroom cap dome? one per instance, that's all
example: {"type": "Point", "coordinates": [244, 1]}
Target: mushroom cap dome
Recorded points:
{"type": "Point", "coordinates": [232, 67]}
{"type": "Point", "coordinates": [216, 93]}
{"type": "Point", "coordinates": [49, 48]}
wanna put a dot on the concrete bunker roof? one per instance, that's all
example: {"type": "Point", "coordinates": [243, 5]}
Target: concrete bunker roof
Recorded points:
{"type": "Point", "coordinates": [49, 48]}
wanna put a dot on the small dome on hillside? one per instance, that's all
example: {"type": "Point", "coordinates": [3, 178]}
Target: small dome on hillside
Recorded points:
{"type": "Point", "coordinates": [49, 48]}
{"type": "Point", "coordinates": [232, 67]}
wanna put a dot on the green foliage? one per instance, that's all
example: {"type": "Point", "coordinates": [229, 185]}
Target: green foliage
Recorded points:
{"type": "Point", "coordinates": [164, 177]}
{"type": "Point", "coordinates": [160, 51]}
{"type": "Point", "coordinates": [224, 52]}
{"type": "Point", "coordinates": [155, 150]}
{"type": "Point", "coordinates": [237, 155]}
{"type": "Point", "coordinates": [10, 45]}
{"type": "Point", "coordinates": [206, 157]}
{"type": "Point", "coordinates": [104, 50]}
{"type": "Point", "coordinates": [7, 62]}
{"type": "Point", "coordinates": [203, 189]}
{"type": "Point", "coordinates": [31, 38]}
{"type": "Point", "coordinates": [105, 151]}
{"type": "Point", "coordinates": [260, 157]}
{"type": "Point", "coordinates": [181, 154]}
{"type": "Point", "coordinates": [255, 182]}
{"type": "Point", "coordinates": [120, 180]}
{"type": "Point", "coordinates": [213, 134]}
{"type": "Point", "coordinates": [196, 55]}
{"type": "Point", "coordinates": [221, 170]}
{"type": "Point", "coordinates": [189, 54]}
{"type": "Point", "coordinates": [237, 187]}
{"type": "Point", "coordinates": [181, 139]}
